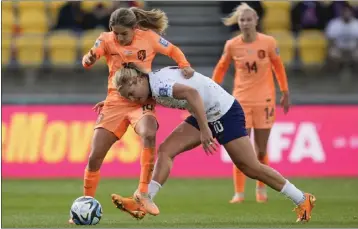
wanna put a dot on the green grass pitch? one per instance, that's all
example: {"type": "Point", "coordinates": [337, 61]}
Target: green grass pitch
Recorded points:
{"type": "Point", "coordinates": [183, 203]}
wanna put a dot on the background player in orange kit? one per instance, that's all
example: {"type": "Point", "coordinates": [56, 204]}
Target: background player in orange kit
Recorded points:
{"type": "Point", "coordinates": [133, 38]}
{"type": "Point", "coordinates": [255, 56]}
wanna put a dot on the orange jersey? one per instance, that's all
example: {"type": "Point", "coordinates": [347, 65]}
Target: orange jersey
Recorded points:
{"type": "Point", "coordinates": [145, 45]}
{"type": "Point", "coordinates": [254, 63]}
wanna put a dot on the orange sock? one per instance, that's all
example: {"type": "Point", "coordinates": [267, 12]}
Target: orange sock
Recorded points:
{"type": "Point", "coordinates": [90, 181]}
{"type": "Point", "coordinates": [264, 161]}
{"type": "Point", "coordinates": [147, 166]}
{"type": "Point", "coordinates": [239, 180]}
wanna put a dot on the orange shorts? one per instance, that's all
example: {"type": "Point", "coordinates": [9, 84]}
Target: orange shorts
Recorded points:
{"type": "Point", "coordinates": [118, 113]}
{"type": "Point", "coordinates": [260, 116]}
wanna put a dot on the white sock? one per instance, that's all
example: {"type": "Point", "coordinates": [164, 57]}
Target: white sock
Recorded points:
{"type": "Point", "coordinates": [293, 193]}
{"type": "Point", "coordinates": [154, 188]}
{"type": "Point", "coordinates": [239, 195]}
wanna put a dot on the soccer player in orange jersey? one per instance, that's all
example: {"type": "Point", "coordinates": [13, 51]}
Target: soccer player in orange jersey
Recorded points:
{"type": "Point", "coordinates": [255, 56]}
{"type": "Point", "coordinates": [133, 38]}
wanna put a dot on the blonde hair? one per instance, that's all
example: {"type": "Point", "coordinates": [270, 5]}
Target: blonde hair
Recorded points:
{"type": "Point", "coordinates": [126, 74]}
{"type": "Point", "coordinates": [232, 19]}
{"type": "Point", "coordinates": [154, 19]}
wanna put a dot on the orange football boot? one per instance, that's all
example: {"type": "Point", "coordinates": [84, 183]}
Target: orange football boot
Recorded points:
{"type": "Point", "coordinates": [129, 205]}
{"type": "Point", "coordinates": [304, 210]}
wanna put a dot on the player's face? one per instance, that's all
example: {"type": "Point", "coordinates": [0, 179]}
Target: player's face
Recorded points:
{"type": "Point", "coordinates": [137, 90]}
{"type": "Point", "coordinates": [124, 35]}
{"type": "Point", "coordinates": [247, 21]}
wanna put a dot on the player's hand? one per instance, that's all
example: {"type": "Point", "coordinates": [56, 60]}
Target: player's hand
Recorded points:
{"type": "Point", "coordinates": [90, 58]}
{"type": "Point", "coordinates": [188, 72]}
{"type": "Point", "coordinates": [98, 107]}
{"type": "Point", "coordinates": [285, 102]}
{"type": "Point", "coordinates": [208, 141]}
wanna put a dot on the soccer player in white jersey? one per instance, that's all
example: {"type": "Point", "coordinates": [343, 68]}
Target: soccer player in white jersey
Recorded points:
{"type": "Point", "coordinates": [214, 114]}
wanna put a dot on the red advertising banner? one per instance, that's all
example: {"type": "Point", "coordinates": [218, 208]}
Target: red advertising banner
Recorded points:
{"type": "Point", "coordinates": [54, 142]}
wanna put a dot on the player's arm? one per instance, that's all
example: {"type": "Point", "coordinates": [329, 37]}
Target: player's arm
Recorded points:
{"type": "Point", "coordinates": [280, 73]}
{"type": "Point", "coordinates": [98, 50]}
{"type": "Point", "coordinates": [223, 64]}
{"type": "Point", "coordinates": [278, 66]}
{"type": "Point", "coordinates": [196, 104]}
{"type": "Point", "coordinates": [195, 101]}
{"type": "Point", "coordinates": [164, 47]}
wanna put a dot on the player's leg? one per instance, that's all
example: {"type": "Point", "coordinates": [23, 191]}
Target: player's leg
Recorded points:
{"type": "Point", "coordinates": [184, 137]}
{"type": "Point", "coordinates": [233, 136]}
{"type": "Point", "coordinates": [145, 125]}
{"type": "Point", "coordinates": [242, 154]}
{"type": "Point", "coordinates": [110, 127]}
{"type": "Point", "coordinates": [263, 119]}
{"type": "Point", "coordinates": [102, 141]}
{"type": "Point", "coordinates": [238, 176]}
{"type": "Point", "coordinates": [261, 140]}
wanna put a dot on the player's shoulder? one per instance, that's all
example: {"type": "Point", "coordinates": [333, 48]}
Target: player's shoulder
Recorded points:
{"type": "Point", "coordinates": [145, 33]}
{"type": "Point", "coordinates": [234, 40]}
{"type": "Point", "coordinates": [266, 38]}
{"type": "Point", "coordinates": [106, 36]}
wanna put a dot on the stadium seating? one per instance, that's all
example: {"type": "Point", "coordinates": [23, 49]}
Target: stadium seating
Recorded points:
{"type": "Point", "coordinates": [54, 9]}
{"type": "Point", "coordinates": [6, 50]}
{"type": "Point", "coordinates": [31, 5]}
{"type": "Point", "coordinates": [30, 50]}
{"type": "Point", "coordinates": [286, 43]}
{"type": "Point", "coordinates": [89, 5]}
{"type": "Point", "coordinates": [312, 47]}
{"type": "Point", "coordinates": [283, 5]}
{"type": "Point", "coordinates": [33, 21]}
{"type": "Point", "coordinates": [8, 21]}
{"type": "Point", "coordinates": [62, 48]}
{"type": "Point", "coordinates": [6, 6]}
{"type": "Point", "coordinates": [277, 15]}
{"type": "Point", "coordinates": [276, 19]}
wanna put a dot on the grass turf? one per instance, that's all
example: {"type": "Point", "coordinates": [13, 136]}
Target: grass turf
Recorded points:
{"type": "Point", "coordinates": [183, 203]}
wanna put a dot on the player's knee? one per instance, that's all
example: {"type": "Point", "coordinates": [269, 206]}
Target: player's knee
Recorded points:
{"type": "Point", "coordinates": [148, 137]}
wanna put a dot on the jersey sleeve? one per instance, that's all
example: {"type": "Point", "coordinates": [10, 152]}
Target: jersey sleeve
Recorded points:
{"type": "Point", "coordinates": [279, 68]}
{"type": "Point", "coordinates": [99, 48]}
{"type": "Point", "coordinates": [164, 47]}
{"type": "Point", "coordinates": [223, 64]}
{"type": "Point", "coordinates": [161, 87]}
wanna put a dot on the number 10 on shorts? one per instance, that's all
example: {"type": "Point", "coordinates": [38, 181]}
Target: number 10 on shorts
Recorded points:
{"type": "Point", "coordinates": [218, 127]}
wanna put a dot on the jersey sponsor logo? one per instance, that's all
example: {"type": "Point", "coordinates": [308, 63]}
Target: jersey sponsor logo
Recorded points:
{"type": "Point", "coordinates": [163, 92]}
{"type": "Point", "coordinates": [141, 55]}
{"type": "Point", "coordinates": [163, 42]}
{"type": "Point", "coordinates": [97, 43]}
{"type": "Point", "coordinates": [127, 52]}
{"type": "Point", "coordinates": [250, 52]}
{"type": "Point", "coordinates": [261, 54]}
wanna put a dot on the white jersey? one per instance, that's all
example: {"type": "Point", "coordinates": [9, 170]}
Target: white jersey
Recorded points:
{"type": "Point", "coordinates": [216, 100]}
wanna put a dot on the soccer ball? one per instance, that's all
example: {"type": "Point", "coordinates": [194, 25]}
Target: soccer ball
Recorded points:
{"type": "Point", "coordinates": [86, 210]}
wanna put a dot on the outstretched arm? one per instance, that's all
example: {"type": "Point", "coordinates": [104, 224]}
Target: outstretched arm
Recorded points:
{"type": "Point", "coordinates": [164, 47]}
{"type": "Point", "coordinates": [222, 66]}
